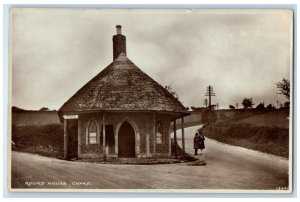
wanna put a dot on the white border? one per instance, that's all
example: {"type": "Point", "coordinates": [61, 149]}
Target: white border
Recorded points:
{"type": "Point", "coordinates": [4, 87]}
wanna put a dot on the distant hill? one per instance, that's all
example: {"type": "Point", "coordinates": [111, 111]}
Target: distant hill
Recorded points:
{"type": "Point", "coordinates": [218, 116]}
{"type": "Point", "coordinates": [26, 118]}
{"type": "Point", "coordinates": [277, 118]}
{"type": "Point", "coordinates": [17, 109]}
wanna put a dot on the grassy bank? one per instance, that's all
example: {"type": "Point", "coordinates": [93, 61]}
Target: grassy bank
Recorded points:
{"type": "Point", "coordinates": [272, 140]}
{"type": "Point", "coordinates": [46, 140]}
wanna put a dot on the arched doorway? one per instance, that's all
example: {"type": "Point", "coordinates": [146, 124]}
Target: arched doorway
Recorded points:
{"type": "Point", "coordinates": [126, 140]}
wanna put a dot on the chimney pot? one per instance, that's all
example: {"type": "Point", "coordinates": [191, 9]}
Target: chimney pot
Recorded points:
{"type": "Point", "coordinates": [119, 29]}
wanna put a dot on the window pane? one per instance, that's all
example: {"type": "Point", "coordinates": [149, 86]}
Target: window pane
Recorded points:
{"type": "Point", "coordinates": [159, 133]}
{"type": "Point", "coordinates": [93, 134]}
{"type": "Point", "coordinates": [158, 138]}
{"type": "Point", "coordinates": [92, 138]}
{"type": "Point", "coordinates": [93, 141]}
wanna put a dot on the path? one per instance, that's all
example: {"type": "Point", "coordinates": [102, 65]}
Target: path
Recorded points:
{"type": "Point", "coordinates": [227, 167]}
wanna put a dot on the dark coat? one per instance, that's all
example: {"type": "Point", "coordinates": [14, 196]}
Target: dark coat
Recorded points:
{"type": "Point", "coordinates": [196, 141]}
{"type": "Point", "coordinates": [201, 141]}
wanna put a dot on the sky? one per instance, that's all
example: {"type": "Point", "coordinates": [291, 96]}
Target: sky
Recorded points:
{"type": "Point", "coordinates": [241, 53]}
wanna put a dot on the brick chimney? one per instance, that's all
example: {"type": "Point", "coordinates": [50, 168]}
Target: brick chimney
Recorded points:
{"type": "Point", "coordinates": [119, 43]}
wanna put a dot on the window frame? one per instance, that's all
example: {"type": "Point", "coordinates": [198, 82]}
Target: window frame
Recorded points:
{"type": "Point", "coordinates": [159, 134]}
{"type": "Point", "coordinates": [92, 129]}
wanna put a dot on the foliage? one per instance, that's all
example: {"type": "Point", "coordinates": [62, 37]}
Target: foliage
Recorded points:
{"type": "Point", "coordinates": [270, 107]}
{"type": "Point", "coordinates": [260, 106]}
{"type": "Point", "coordinates": [194, 108]}
{"type": "Point", "coordinates": [247, 103]}
{"type": "Point", "coordinates": [44, 109]}
{"type": "Point", "coordinates": [287, 104]}
{"type": "Point", "coordinates": [284, 88]}
{"type": "Point", "coordinates": [231, 107]}
{"type": "Point", "coordinates": [170, 90]}
{"type": "Point", "coordinates": [197, 108]}
{"type": "Point", "coordinates": [45, 140]}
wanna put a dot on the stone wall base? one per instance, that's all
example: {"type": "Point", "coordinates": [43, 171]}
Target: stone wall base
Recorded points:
{"type": "Point", "coordinates": [95, 156]}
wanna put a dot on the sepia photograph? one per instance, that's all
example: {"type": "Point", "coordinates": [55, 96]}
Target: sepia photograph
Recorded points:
{"type": "Point", "coordinates": [150, 100]}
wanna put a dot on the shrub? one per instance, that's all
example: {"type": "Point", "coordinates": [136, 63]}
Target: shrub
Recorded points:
{"type": "Point", "coordinates": [46, 139]}
{"type": "Point", "coordinates": [260, 106]}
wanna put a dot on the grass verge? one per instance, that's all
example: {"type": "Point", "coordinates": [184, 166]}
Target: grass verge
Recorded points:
{"type": "Point", "coordinates": [271, 140]}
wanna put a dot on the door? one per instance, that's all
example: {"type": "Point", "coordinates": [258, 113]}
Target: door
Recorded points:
{"type": "Point", "coordinates": [126, 140]}
{"type": "Point", "coordinates": [72, 138]}
{"type": "Point", "coordinates": [109, 138]}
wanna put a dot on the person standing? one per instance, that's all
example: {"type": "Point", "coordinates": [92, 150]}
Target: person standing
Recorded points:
{"type": "Point", "coordinates": [196, 142]}
{"type": "Point", "coordinates": [201, 138]}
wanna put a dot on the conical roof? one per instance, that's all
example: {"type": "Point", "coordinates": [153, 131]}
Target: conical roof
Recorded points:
{"type": "Point", "coordinates": [122, 86]}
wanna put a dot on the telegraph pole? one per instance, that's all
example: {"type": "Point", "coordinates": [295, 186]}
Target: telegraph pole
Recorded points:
{"type": "Point", "coordinates": [209, 93]}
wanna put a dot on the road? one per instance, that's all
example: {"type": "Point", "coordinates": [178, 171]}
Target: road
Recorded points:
{"type": "Point", "coordinates": [227, 167]}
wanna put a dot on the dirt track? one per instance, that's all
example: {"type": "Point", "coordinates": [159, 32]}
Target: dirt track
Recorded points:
{"type": "Point", "coordinates": [227, 167]}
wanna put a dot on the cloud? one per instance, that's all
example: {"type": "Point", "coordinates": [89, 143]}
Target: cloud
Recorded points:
{"type": "Point", "coordinates": [242, 53]}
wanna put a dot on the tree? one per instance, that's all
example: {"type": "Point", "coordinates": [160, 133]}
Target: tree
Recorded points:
{"type": "Point", "coordinates": [44, 109]}
{"type": "Point", "coordinates": [170, 90]}
{"type": "Point", "coordinates": [284, 88]}
{"type": "Point", "coordinates": [231, 107]}
{"type": "Point", "coordinates": [270, 107]}
{"type": "Point", "coordinates": [197, 108]}
{"type": "Point", "coordinates": [247, 103]}
{"type": "Point", "coordinates": [260, 106]}
{"type": "Point", "coordinates": [287, 104]}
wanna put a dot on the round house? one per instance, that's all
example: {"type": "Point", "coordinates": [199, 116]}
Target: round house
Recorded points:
{"type": "Point", "coordinates": [121, 112]}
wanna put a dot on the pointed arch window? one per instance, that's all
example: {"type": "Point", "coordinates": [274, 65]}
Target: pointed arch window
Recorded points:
{"type": "Point", "coordinates": [92, 133]}
{"type": "Point", "coordinates": [159, 132]}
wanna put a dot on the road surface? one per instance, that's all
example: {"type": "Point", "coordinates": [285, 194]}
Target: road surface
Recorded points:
{"type": "Point", "coordinates": [227, 167]}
